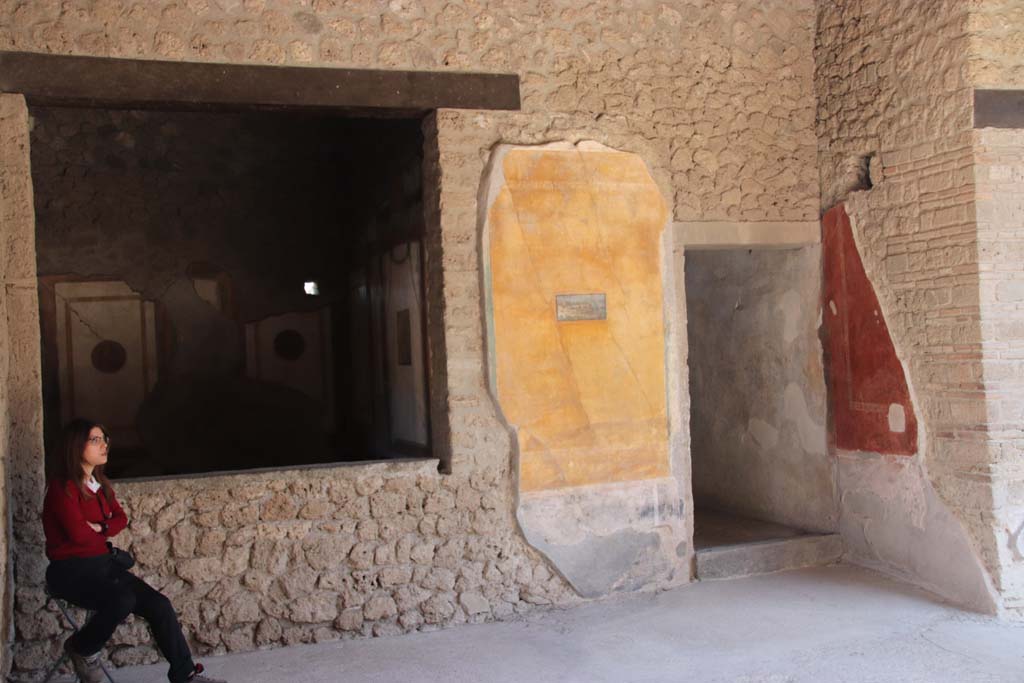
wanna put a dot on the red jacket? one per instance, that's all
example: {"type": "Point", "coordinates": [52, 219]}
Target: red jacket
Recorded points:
{"type": "Point", "coordinates": [66, 513]}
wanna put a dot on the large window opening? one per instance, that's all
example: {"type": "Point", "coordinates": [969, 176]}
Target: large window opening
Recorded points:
{"type": "Point", "coordinates": [230, 291]}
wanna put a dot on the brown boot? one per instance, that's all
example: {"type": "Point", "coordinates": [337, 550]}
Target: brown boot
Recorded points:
{"type": "Point", "coordinates": [87, 668]}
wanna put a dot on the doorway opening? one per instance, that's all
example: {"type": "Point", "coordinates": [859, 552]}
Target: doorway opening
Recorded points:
{"type": "Point", "coordinates": [234, 289]}
{"type": "Point", "coordinates": [762, 478]}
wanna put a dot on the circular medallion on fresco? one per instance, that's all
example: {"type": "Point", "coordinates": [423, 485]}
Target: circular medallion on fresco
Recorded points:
{"type": "Point", "coordinates": [289, 345]}
{"type": "Point", "coordinates": [108, 356]}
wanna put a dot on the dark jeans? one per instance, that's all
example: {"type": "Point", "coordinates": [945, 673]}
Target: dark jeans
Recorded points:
{"type": "Point", "coordinates": [95, 583]}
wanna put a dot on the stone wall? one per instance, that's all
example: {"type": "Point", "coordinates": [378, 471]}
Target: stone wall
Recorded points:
{"type": "Point", "coordinates": [311, 555]}
{"type": "Point", "coordinates": [723, 91]}
{"type": "Point", "coordinates": [20, 396]}
{"type": "Point", "coordinates": [757, 387]}
{"type": "Point", "coordinates": [716, 98]}
{"type": "Point", "coordinates": [999, 209]}
{"type": "Point", "coordinates": [892, 84]}
{"type": "Point", "coordinates": [996, 50]}
{"type": "Point", "coordinates": [997, 61]}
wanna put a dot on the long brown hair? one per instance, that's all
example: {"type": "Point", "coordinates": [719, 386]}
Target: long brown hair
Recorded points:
{"type": "Point", "coordinates": [67, 465]}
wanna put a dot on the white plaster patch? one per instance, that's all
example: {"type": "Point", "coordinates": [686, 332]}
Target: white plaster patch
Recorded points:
{"type": "Point", "coordinates": [897, 418]}
{"type": "Point", "coordinates": [810, 433]}
{"type": "Point", "coordinates": [790, 306]}
{"type": "Point", "coordinates": [764, 435]}
{"type": "Point", "coordinates": [832, 307]}
{"type": "Point", "coordinates": [892, 520]}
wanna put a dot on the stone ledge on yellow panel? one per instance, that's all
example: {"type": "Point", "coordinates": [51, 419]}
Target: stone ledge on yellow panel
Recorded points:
{"type": "Point", "coordinates": [589, 394]}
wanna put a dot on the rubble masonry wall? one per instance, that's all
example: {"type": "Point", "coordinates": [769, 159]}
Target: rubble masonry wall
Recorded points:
{"type": "Point", "coordinates": [717, 99]}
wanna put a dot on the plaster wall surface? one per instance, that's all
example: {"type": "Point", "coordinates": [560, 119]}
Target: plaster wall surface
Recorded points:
{"type": "Point", "coordinates": [758, 411]}
{"type": "Point", "coordinates": [717, 99]}
{"type": "Point", "coordinates": [892, 520]}
{"type": "Point", "coordinates": [594, 484]}
{"type": "Point", "coordinates": [892, 84]}
{"type": "Point", "coordinates": [565, 226]}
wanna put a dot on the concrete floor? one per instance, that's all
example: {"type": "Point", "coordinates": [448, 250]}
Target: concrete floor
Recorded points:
{"type": "Point", "coordinates": [829, 624]}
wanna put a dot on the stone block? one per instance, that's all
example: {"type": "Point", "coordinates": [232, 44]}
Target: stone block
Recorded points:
{"type": "Point", "coordinates": [361, 556]}
{"type": "Point", "coordinates": [270, 556]}
{"type": "Point", "coordinates": [474, 603]}
{"type": "Point", "coordinates": [409, 596]}
{"type": "Point", "coordinates": [327, 550]}
{"type": "Point", "coordinates": [380, 606]}
{"type": "Point", "coordinates": [183, 540]}
{"type": "Point", "coordinates": [350, 620]}
{"type": "Point", "coordinates": [438, 609]}
{"type": "Point", "coordinates": [236, 560]}
{"type": "Point", "coordinates": [279, 507]}
{"type": "Point", "coordinates": [239, 639]}
{"type": "Point", "coordinates": [298, 582]}
{"type": "Point", "coordinates": [268, 631]}
{"type": "Point", "coordinates": [314, 608]}
{"type": "Point", "coordinates": [763, 558]}
{"type": "Point", "coordinates": [170, 516]}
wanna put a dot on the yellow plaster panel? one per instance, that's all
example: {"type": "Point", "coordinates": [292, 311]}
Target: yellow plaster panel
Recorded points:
{"type": "Point", "coordinates": [588, 397]}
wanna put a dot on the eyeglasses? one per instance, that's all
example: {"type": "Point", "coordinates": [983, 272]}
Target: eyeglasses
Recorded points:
{"type": "Point", "coordinates": [97, 440]}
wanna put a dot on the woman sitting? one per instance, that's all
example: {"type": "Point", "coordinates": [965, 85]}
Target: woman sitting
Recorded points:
{"type": "Point", "coordinates": [79, 514]}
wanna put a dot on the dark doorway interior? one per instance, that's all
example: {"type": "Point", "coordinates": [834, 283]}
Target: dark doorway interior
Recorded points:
{"type": "Point", "coordinates": [232, 291]}
{"type": "Point", "coordinates": [762, 476]}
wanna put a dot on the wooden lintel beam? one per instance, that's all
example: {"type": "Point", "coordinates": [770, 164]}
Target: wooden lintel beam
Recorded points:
{"type": "Point", "coordinates": [47, 79]}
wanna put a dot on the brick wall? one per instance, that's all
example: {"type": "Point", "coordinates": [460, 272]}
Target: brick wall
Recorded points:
{"type": "Point", "coordinates": [997, 61]}
{"type": "Point", "coordinates": [999, 207]}
{"type": "Point", "coordinates": [892, 83]}
{"type": "Point", "coordinates": [939, 234]}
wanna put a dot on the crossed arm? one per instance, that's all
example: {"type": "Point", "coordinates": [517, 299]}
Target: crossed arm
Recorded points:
{"type": "Point", "coordinates": [66, 507]}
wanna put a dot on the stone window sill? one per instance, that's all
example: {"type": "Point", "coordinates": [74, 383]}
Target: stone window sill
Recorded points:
{"type": "Point", "coordinates": [359, 468]}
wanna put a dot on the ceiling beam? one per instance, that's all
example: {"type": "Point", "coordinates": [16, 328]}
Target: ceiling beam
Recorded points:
{"type": "Point", "coordinates": [46, 79]}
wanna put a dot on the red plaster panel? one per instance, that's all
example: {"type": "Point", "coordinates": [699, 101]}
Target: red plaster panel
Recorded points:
{"type": "Point", "coordinates": [865, 377]}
